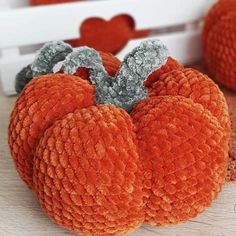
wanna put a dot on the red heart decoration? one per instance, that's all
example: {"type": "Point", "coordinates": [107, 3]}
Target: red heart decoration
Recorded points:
{"type": "Point", "coordinates": [108, 36]}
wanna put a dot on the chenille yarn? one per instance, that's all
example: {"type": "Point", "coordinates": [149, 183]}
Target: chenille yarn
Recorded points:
{"type": "Point", "coordinates": [218, 39]}
{"type": "Point", "coordinates": [102, 167]}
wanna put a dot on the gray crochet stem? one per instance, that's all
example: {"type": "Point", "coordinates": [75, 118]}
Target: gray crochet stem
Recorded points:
{"type": "Point", "coordinates": [48, 56]}
{"type": "Point", "coordinates": [127, 87]}
{"type": "Point", "coordinates": [136, 67]}
{"type": "Point", "coordinates": [89, 58]}
{"type": "Point", "coordinates": [23, 78]}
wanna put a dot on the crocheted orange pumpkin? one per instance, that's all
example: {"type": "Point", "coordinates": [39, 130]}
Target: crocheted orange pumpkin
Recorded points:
{"type": "Point", "coordinates": [62, 94]}
{"type": "Point", "coordinates": [108, 155]}
{"type": "Point", "coordinates": [219, 37]}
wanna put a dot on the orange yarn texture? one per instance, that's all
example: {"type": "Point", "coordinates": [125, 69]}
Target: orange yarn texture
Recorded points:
{"type": "Point", "coordinates": [198, 87]}
{"type": "Point", "coordinates": [170, 65]}
{"type": "Point", "coordinates": [183, 150]}
{"type": "Point", "coordinates": [219, 37]}
{"type": "Point", "coordinates": [87, 172]}
{"type": "Point", "coordinates": [42, 102]}
{"type": "Point", "coordinates": [98, 170]}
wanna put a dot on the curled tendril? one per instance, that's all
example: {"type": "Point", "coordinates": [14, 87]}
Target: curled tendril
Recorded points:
{"type": "Point", "coordinates": [127, 87]}
{"type": "Point", "coordinates": [89, 58]}
{"type": "Point", "coordinates": [48, 56]}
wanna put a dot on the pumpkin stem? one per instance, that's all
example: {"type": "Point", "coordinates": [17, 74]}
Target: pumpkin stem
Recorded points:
{"type": "Point", "coordinates": [125, 90]}
{"type": "Point", "coordinates": [89, 58]}
{"type": "Point", "coordinates": [135, 69]}
{"type": "Point", "coordinates": [48, 56]}
{"type": "Point", "coordinates": [127, 87]}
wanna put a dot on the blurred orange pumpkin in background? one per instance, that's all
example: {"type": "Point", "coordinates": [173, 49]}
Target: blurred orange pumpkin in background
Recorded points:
{"type": "Point", "coordinates": [219, 42]}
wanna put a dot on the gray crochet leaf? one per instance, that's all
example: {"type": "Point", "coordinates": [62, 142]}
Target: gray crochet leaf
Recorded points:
{"type": "Point", "coordinates": [127, 88]}
{"type": "Point", "coordinates": [49, 55]}
{"type": "Point", "coordinates": [90, 59]}
{"type": "Point", "coordinates": [23, 78]}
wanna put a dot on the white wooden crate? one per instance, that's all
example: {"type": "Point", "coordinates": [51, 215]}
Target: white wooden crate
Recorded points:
{"type": "Point", "coordinates": [30, 26]}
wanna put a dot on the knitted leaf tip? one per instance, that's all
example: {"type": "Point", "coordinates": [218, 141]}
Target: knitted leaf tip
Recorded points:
{"type": "Point", "coordinates": [88, 58]}
{"type": "Point", "coordinates": [48, 56]}
{"type": "Point", "coordinates": [127, 88]}
{"type": "Point", "coordinates": [23, 78]}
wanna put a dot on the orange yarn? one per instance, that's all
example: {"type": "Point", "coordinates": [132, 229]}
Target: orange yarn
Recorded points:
{"type": "Point", "coordinates": [37, 108]}
{"type": "Point", "coordinates": [193, 84]}
{"type": "Point", "coordinates": [180, 181]}
{"type": "Point", "coordinates": [170, 65]}
{"type": "Point", "coordinates": [87, 174]}
{"type": "Point", "coordinates": [98, 170]}
{"type": "Point", "coordinates": [219, 36]}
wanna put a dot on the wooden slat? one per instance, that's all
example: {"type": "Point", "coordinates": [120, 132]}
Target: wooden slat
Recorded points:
{"type": "Point", "coordinates": [29, 26]}
{"type": "Point", "coordinates": [184, 46]}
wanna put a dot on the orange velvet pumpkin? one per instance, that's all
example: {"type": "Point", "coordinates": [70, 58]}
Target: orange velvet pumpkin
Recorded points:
{"type": "Point", "coordinates": [98, 169]}
{"type": "Point", "coordinates": [219, 37]}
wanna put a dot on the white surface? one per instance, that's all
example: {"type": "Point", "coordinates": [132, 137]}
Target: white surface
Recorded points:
{"type": "Point", "coordinates": [35, 25]}
{"type": "Point", "coordinates": [13, 3]}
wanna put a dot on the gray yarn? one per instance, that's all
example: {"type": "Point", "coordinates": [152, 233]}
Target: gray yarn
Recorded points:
{"type": "Point", "coordinates": [124, 90]}
{"type": "Point", "coordinates": [48, 56]}
{"type": "Point", "coordinates": [127, 88]}
{"type": "Point", "coordinates": [90, 59]}
{"type": "Point", "coordinates": [23, 78]}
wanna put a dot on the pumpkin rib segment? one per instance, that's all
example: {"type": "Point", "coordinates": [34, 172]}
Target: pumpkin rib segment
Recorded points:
{"type": "Point", "coordinates": [44, 100]}
{"type": "Point", "coordinates": [200, 88]}
{"type": "Point", "coordinates": [171, 148]}
{"type": "Point", "coordinates": [101, 188]}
